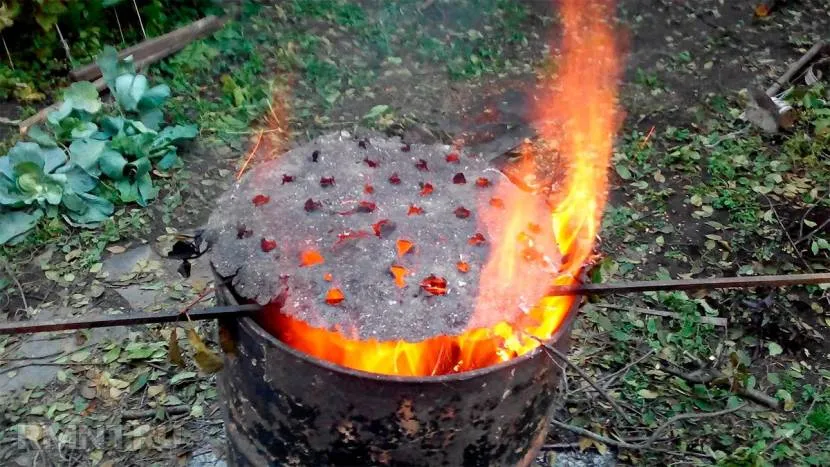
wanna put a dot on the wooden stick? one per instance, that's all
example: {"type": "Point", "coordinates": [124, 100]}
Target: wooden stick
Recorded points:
{"type": "Point", "coordinates": [127, 319]}
{"type": "Point", "coordinates": [692, 284]}
{"type": "Point", "coordinates": [809, 56]}
{"type": "Point", "coordinates": [41, 116]}
{"type": "Point", "coordinates": [171, 42]}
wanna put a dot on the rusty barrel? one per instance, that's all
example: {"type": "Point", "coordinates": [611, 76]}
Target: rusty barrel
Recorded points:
{"type": "Point", "coordinates": [285, 408]}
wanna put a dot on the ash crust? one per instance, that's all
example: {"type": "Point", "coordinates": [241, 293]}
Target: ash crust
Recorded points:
{"type": "Point", "coordinates": [350, 187]}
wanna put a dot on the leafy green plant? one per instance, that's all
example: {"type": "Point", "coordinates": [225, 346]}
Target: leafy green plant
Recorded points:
{"type": "Point", "coordinates": [85, 147]}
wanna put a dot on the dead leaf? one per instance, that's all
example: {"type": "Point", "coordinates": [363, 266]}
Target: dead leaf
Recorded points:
{"type": "Point", "coordinates": [206, 360]}
{"type": "Point", "coordinates": [227, 341]}
{"type": "Point", "coordinates": [116, 249]}
{"type": "Point", "coordinates": [174, 352]}
{"type": "Point", "coordinates": [33, 432]}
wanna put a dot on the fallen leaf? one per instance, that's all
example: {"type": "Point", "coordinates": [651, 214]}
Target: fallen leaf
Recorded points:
{"type": "Point", "coordinates": [174, 352]}
{"type": "Point", "coordinates": [647, 394]}
{"type": "Point", "coordinates": [206, 360]}
{"type": "Point", "coordinates": [116, 249]}
{"type": "Point", "coordinates": [183, 376]}
{"type": "Point", "coordinates": [32, 432]}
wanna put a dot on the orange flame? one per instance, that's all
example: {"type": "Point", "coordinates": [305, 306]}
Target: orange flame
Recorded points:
{"type": "Point", "coordinates": [577, 111]}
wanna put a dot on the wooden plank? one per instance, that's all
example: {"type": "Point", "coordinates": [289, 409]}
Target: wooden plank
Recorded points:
{"type": "Point", "coordinates": [170, 43]}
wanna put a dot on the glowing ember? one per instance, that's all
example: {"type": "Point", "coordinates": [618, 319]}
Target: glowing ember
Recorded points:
{"type": "Point", "coordinates": [461, 212]}
{"type": "Point", "coordinates": [334, 296]}
{"type": "Point", "coordinates": [462, 266]}
{"type": "Point", "coordinates": [497, 203]}
{"type": "Point", "coordinates": [328, 277]}
{"type": "Point", "coordinates": [260, 200]}
{"type": "Point", "coordinates": [434, 285]}
{"type": "Point", "coordinates": [459, 179]}
{"type": "Point", "coordinates": [414, 210]}
{"type": "Point", "coordinates": [311, 258]}
{"type": "Point", "coordinates": [395, 179]}
{"type": "Point", "coordinates": [267, 244]}
{"type": "Point", "coordinates": [398, 272]}
{"type": "Point", "coordinates": [426, 189]}
{"type": "Point", "coordinates": [453, 158]}
{"type": "Point", "coordinates": [482, 182]}
{"type": "Point", "coordinates": [477, 239]}
{"type": "Point", "coordinates": [369, 189]}
{"type": "Point", "coordinates": [404, 246]}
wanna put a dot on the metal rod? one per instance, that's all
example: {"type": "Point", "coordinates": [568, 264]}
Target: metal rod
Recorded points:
{"type": "Point", "coordinates": [127, 319]}
{"type": "Point", "coordinates": [692, 284]}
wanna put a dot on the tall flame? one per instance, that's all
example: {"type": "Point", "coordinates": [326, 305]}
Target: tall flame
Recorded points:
{"type": "Point", "coordinates": [577, 112]}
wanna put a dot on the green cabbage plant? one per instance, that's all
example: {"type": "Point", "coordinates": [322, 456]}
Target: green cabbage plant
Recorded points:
{"type": "Point", "coordinates": [85, 143]}
{"type": "Point", "coordinates": [35, 181]}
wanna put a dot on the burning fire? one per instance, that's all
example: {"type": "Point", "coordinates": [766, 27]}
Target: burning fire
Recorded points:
{"type": "Point", "coordinates": [577, 111]}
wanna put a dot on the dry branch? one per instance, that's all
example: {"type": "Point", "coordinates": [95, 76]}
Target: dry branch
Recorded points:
{"type": "Point", "coordinates": [716, 377]}
{"type": "Point", "coordinates": [793, 70]}
{"type": "Point", "coordinates": [551, 350]}
{"type": "Point", "coordinates": [158, 47]}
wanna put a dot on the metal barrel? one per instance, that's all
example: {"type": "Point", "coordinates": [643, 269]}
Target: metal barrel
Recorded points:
{"type": "Point", "coordinates": [285, 408]}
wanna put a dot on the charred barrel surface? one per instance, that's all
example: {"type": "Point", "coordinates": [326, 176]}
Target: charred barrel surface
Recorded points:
{"type": "Point", "coordinates": [286, 408]}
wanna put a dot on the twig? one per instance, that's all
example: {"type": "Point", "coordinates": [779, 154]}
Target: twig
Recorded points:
{"type": "Point", "coordinates": [624, 370]}
{"type": "Point", "coordinates": [595, 436]}
{"type": "Point", "coordinates": [118, 21]}
{"type": "Point", "coordinates": [144, 413]}
{"type": "Point", "coordinates": [8, 121]}
{"type": "Point", "coordinates": [647, 444]}
{"type": "Point", "coordinates": [549, 349]}
{"type": "Point", "coordinates": [713, 320]}
{"type": "Point", "coordinates": [813, 232]}
{"type": "Point", "coordinates": [687, 416]}
{"type": "Point", "coordinates": [65, 45]}
{"type": "Point", "coordinates": [204, 294]}
{"type": "Point", "coordinates": [609, 380]}
{"type": "Point", "coordinates": [713, 376]}
{"type": "Point", "coordinates": [140, 23]}
{"type": "Point", "coordinates": [807, 213]}
{"type": "Point", "coordinates": [8, 54]}
{"type": "Point", "coordinates": [787, 233]}
{"type": "Point", "coordinates": [11, 274]}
